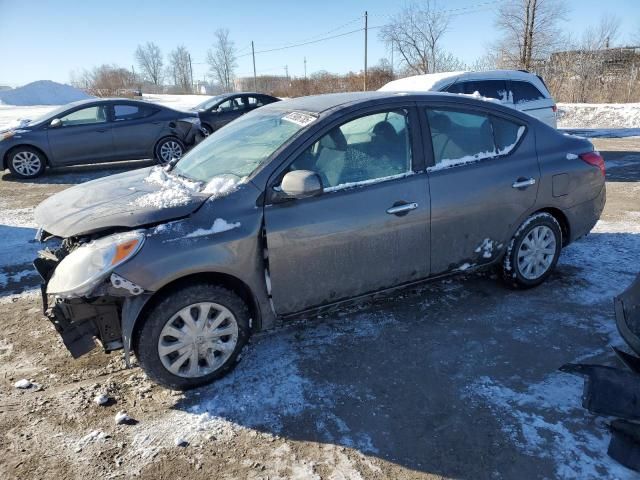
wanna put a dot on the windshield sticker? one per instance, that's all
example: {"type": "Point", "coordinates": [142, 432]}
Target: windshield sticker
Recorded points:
{"type": "Point", "coordinates": [299, 118]}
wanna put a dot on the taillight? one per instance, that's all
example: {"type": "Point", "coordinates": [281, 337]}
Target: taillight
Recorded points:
{"type": "Point", "coordinates": [554, 108]}
{"type": "Point", "coordinates": [593, 158]}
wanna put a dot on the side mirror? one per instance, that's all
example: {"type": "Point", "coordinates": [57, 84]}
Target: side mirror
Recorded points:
{"type": "Point", "coordinates": [301, 184]}
{"type": "Point", "coordinates": [55, 123]}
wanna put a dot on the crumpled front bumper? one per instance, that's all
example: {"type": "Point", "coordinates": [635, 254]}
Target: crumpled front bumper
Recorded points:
{"type": "Point", "coordinates": [81, 321]}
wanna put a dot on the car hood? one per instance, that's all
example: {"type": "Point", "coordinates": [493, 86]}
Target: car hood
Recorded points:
{"type": "Point", "coordinates": [126, 200]}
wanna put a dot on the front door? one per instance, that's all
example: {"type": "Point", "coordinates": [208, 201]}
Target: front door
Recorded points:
{"type": "Point", "coordinates": [485, 178]}
{"type": "Point", "coordinates": [368, 230]}
{"type": "Point", "coordinates": [83, 136]}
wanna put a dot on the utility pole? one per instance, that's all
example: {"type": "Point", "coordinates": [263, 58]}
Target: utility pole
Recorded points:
{"type": "Point", "coordinates": [365, 49]}
{"type": "Point", "coordinates": [286, 71]}
{"type": "Point", "coordinates": [392, 66]}
{"type": "Point", "coordinates": [255, 81]}
{"type": "Point", "coordinates": [305, 68]}
{"type": "Point", "coordinates": [191, 72]}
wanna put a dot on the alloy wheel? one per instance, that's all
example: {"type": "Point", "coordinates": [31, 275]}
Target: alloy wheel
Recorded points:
{"type": "Point", "coordinates": [170, 150]}
{"type": "Point", "coordinates": [198, 339]}
{"type": "Point", "coordinates": [536, 252]}
{"type": "Point", "coordinates": [26, 163]}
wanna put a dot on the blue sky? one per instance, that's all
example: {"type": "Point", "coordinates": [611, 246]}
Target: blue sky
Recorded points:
{"type": "Point", "coordinates": [49, 39]}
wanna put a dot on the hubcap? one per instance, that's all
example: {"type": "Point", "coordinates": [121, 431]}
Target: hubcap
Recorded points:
{"type": "Point", "coordinates": [536, 252]}
{"type": "Point", "coordinates": [170, 150]}
{"type": "Point", "coordinates": [26, 163]}
{"type": "Point", "coordinates": [198, 339]}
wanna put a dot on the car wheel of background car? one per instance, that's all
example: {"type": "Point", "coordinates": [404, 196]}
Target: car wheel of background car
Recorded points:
{"type": "Point", "coordinates": [26, 162]}
{"type": "Point", "coordinates": [207, 129]}
{"type": "Point", "coordinates": [533, 251]}
{"type": "Point", "coordinates": [169, 148]}
{"type": "Point", "coordinates": [192, 336]}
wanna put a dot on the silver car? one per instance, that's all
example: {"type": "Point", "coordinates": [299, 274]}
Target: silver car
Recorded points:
{"type": "Point", "coordinates": [304, 204]}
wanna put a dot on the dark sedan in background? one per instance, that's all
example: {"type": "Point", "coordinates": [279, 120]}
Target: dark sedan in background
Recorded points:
{"type": "Point", "coordinates": [222, 109]}
{"type": "Point", "coordinates": [96, 131]}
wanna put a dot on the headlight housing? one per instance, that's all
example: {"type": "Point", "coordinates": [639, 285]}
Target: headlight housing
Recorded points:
{"type": "Point", "coordinates": [84, 268]}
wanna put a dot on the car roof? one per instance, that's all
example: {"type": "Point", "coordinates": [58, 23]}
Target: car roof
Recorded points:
{"type": "Point", "coordinates": [437, 81]}
{"type": "Point", "coordinates": [318, 104]}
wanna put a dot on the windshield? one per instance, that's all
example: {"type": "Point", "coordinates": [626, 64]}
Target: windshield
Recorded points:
{"type": "Point", "coordinates": [241, 146]}
{"type": "Point", "coordinates": [207, 104]}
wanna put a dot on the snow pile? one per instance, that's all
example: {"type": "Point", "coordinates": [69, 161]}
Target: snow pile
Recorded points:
{"type": "Point", "coordinates": [599, 115]}
{"type": "Point", "coordinates": [174, 191]}
{"type": "Point", "coordinates": [219, 225]}
{"type": "Point", "coordinates": [42, 92]}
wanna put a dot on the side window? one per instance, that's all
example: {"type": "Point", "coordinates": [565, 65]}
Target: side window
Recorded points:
{"type": "Point", "coordinates": [230, 105]}
{"type": "Point", "coordinates": [366, 149]}
{"type": "Point", "coordinates": [506, 134]}
{"type": "Point", "coordinates": [462, 137]}
{"type": "Point", "coordinates": [455, 88]}
{"type": "Point", "coordinates": [85, 116]}
{"type": "Point", "coordinates": [131, 112]}
{"type": "Point", "coordinates": [255, 102]}
{"type": "Point", "coordinates": [488, 88]}
{"type": "Point", "coordinates": [525, 92]}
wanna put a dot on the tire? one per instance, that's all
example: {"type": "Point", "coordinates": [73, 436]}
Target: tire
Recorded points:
{"type": "Point", "coordinates": [533, 251]}
{"type": "Point", "coordinates": [26, 162]}
{"type": "Point", "coordinates": [207, 129]}
{"type": "Point", "coordinates": [158, 350]}
{"type": "Point", "coordinates": [169, 148]}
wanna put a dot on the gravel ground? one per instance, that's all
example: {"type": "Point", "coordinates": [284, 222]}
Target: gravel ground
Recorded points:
{"type": "Point", "coordinates": [455, 379]}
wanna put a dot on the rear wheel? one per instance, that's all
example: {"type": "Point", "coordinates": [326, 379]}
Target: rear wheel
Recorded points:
{"type": "Point", "coordinates": [169, 148]}
{"type": "Point", "coordinates": [26, 162]}
{"type": "Point", "coordinates": [193, 336]}
{"type": "Point", "coordinates": [533, 251]}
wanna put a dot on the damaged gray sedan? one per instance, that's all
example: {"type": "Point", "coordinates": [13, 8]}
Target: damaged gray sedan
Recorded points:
{"type": "Point", "coordinates": [305, 204]}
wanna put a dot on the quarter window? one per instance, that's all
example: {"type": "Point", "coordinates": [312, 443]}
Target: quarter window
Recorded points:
{"type": "Point", "coordinates": [369, 148]}
{"type": "Point", "coordinates": [85, 116]}
{"type": "Point", "coordinates": [462, 137]}
{"type": "Point", "coordinates": [525, 92]}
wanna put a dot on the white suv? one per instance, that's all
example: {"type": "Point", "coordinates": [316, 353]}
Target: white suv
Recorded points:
{"type": "Point", "coordinates": [522, 90]}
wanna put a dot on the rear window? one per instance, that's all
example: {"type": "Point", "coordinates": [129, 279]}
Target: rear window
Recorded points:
{"type": "Point", "coordinates": [459, 137]}
{"type": "Point", "coordinates": [131, 112]}
{"type": "Point", "coordinates": [525, 92]}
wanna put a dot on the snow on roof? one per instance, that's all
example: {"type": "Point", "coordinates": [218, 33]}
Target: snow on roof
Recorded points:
{"type": "Point", "coordinates": [430, 81]}
{"type": "Point", "coordinates": [42, 92]}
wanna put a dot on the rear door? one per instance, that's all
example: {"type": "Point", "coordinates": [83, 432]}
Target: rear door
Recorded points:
{"type": "Point", "coordinates": [84, 136]}
{"type": "Point", "coordinates": [483, 179]}
{"type": "Point", "coordinates": [135, 129]}
{"type": "Point", "coordinates": [368, 230]}
{"type": "Point", "coordinates": [530, 99]}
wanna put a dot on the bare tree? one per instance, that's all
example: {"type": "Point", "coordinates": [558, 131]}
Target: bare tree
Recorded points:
{"type": "Point", "coordinates": [149, 58]}
{"type": "Point", "coordinates": [180, 68]}
{"type": "Point", "coordinates": [530, 31]}
{"type": "Point", "coordinates": [222, 59]}
{"type": "Point", "coordinates": [416, 33]}
{"type": "Point", "coordinates": [105, 81]}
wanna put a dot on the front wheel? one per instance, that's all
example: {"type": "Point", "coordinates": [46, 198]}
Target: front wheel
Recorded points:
{"type": "Point", "coordinates": [168, 149]}
{"type": "Point", "coordinates": [533, 251]}
{"type": "Point", "coordinates": [192, 336]}
{"type": "Point", "coordinates": [26, 162]}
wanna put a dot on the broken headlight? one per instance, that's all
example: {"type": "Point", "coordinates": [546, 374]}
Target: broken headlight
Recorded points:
{"type": "Point", "coordinates": [85, 267]}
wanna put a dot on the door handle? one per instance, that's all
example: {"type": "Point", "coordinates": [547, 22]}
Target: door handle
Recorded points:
{"type": "Point", "coordinates": [402, 209]}
{"type": "Point", "coordinates": [101, 130]}
{"type": "Point", "coordinates": [524, 183]}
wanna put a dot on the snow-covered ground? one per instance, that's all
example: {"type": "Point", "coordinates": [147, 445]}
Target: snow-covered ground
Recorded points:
{"type": "Point", "coordinates": [600, 120]}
